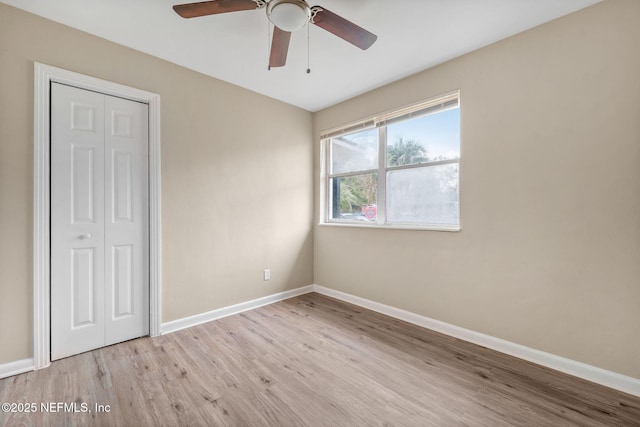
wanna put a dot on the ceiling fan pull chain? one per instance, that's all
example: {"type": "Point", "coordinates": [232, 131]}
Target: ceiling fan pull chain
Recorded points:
{"type": "Point", "coordinates": [268, 42]}
{"type": "Point", "coordinates": [308, 50]}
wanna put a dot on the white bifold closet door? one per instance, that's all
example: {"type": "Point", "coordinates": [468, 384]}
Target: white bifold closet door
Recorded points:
{"type": "Point", "coordinates": [99, 220]}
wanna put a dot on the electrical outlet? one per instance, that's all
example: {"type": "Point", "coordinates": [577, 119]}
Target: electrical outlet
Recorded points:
{"type": "Point", "coordinates": [267, 274]}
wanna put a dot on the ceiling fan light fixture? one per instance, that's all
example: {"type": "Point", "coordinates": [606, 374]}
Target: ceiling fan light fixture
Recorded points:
{"type": "Point", "coordinates": [288, 15]}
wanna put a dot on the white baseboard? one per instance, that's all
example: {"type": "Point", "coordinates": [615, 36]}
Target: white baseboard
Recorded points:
{"type": "Point", "coordinates": [186, 322]}
{"type": "Point", "coordinates": [14, 368]}
{"type": "Point", "coordinates": [578, 369]}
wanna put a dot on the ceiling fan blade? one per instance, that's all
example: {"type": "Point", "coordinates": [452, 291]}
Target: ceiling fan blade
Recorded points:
{"type": "Point", "coordinates": [342, 28]}
{"type": "Point", "coordinates": [193, 10]}
{"type": "Point", "coordinates": [279, 47]}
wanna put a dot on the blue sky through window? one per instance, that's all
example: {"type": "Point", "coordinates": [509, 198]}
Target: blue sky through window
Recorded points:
{"type": "Point", "coordinates": [439, 133]}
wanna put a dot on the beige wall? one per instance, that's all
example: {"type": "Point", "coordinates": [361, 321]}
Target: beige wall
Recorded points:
{"type": "Point", "coordinates": [549, 252]}
{"type": "Point", "coordinates": [226, 214]}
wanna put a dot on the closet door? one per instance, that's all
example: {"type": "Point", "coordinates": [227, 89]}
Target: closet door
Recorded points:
{"type": "Point", "coordinates": [99, 220]}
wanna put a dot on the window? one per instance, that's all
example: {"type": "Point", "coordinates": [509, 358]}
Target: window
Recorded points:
{"type": "Point", "coordinates": [400, 169]}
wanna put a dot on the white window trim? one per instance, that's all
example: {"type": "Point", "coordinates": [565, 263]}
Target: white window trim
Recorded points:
{"type": "Point", "coordinates": [43, 76]}
{"type": "Point", "coordinates": [381, 171]}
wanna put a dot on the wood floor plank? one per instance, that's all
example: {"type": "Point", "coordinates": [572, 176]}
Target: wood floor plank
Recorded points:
{"type": "Point", "coordinates": [311, 361]}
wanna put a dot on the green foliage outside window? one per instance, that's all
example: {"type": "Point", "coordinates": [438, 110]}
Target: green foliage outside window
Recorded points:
{"type": "Point", "coordinates": [406, 153]}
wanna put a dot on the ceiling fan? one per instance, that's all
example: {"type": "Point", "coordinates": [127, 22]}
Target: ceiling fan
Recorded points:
{"type": "Point", "coordinates": [286, 16]}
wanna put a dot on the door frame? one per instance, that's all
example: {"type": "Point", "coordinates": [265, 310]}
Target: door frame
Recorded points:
{"type": "Point", "coordinates": [44, 75]}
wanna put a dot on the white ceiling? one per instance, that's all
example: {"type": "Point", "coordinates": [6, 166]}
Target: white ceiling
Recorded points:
{"type": "Point", "coordinates": [413, 35]}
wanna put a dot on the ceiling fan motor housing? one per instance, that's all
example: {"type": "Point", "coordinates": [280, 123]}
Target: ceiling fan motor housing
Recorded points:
{"type": "Point", "coordinates": [288, 15]}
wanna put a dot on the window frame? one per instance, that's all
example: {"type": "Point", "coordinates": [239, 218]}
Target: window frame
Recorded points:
{"type": "Point", "coordinates": [433, 105]}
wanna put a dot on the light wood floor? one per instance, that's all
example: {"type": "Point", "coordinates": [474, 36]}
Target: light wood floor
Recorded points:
{"type": "Point", "coordinates": [311, 361]}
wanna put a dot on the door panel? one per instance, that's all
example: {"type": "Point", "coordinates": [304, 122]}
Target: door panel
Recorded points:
{"type": "Point", "coordinates": [126, 229]}
{"type": "Point", "coordinates": [122, 187]}
{"type": "Point", "coordinates": [99, 220]}
{"type": "Point", "coordinates": [84, 287]}
{"type": "Point", "coordinates": [77, 221]}
{"type": "Point", "coordinates": [83, 184]}
{"type": "Point", "coordinates": [123, 281]}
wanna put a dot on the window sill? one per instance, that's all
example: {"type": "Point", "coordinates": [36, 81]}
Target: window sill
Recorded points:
{"type": "Point", "coordinates": [450, 228]}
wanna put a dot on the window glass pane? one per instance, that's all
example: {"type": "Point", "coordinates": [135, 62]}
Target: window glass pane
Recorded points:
{"type": "Point", "coordinates": [425, 195]}
{"type": "Point", "coordinates": [423, 139]}
{"type": "Point", "coordinates": [353, 198]}
{"type": "Point", "coordinates": [355, 152]}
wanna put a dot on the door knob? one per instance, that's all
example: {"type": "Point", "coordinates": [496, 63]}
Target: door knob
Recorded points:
{"type": "Point", "coordinates": [85, 236]}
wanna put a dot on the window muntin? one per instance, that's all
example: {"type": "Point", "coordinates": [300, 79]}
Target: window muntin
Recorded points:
{"type": "Point", "coordinates": [409, 163]}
